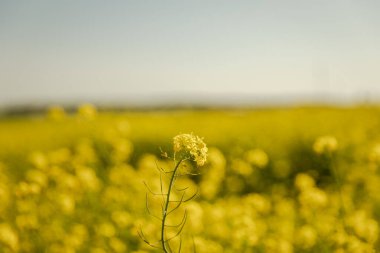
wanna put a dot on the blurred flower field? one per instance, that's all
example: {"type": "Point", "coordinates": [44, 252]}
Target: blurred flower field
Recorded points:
{"type": "Point", "coordinates": [302, 179]}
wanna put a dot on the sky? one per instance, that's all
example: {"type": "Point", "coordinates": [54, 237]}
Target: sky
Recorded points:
{"type": "Point", "coordinates": [73, 51]}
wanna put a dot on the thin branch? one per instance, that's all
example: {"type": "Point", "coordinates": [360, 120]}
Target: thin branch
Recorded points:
{"type": "Point", "coordinates": [177, 234]}
{"type": "Point", "coordinates": [178, 204]}
{"type": "Point", "coordinates": [142, 236]}
{"type": "Point", "coordinates": [153, 193]}
{"type": "Point", "coordinates": [181, 189]}
{"type": "Point", "coordinates": [184, 219]}
{"type": "Point", "coordinates": [193, 196]}
{"type": "Point", "coordinates": [188, 174]}
{"type": "Point", "coordinates": [188, 199]}
{"type": "Point", "coordinates": [161, 170]}
{"type": "Point", "coordinates": [148, 209]}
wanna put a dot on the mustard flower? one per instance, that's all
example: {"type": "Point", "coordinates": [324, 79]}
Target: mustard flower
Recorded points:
{"type": "Point", "coordinates": [87, 111]}
{"type": "Point", "coordinates": [191, 146]}
{"type": "Point", "coordinates": [325, 144]}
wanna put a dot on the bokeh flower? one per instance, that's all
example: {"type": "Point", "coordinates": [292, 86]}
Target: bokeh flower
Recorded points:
{"type": "Point", "coordinates": [325, 145]}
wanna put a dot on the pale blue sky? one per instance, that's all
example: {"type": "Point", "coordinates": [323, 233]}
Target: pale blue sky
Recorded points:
{"type": "Point", "coordinates": [71, 51]}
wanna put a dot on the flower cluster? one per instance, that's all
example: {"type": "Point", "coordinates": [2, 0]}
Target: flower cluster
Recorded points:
{"type": "Point", "coordinates": [325, 145]}
{"type": "Point", "coordinates": [75, 185]}
{"type": "Point", "coordinates": [191, 146]}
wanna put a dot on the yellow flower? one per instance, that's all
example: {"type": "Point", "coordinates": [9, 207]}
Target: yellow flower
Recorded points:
{"type": "Point", "coordinates": [87, 111]}
{"type": "Point", "coordinates": [117, 245]}
{"type": "Point", "coordinates": [56, 112]}
{"type": "Point", "coordinates": [192, 147]}
{"type": "Point", "coordinates": [106, 229]}
{"type": "Point", "coordinates": [8, 237]}
{"type": "Point", "coordinates": [325, 144]}
{"type": "Point", "coordinates": [306, 237]}
{"type": "Point", "coordinates": [257, 157]}
{"type": "Point", "coordinates": [304, 181]}
{"type": "Point", "coordinates": [121, 218]}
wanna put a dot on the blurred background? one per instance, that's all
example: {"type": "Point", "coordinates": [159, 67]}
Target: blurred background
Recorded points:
{"type": "Point", "coordinates": [284, 94]}
{"type": "Point", "coordinates": [152, 53]}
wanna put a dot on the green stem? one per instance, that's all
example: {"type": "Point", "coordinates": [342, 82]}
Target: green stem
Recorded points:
{"type": "Point", "coordinates": [165, 211]}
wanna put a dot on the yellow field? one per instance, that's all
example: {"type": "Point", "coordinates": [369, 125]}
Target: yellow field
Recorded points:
{"type": "Point", "coordinates": [299, 179]}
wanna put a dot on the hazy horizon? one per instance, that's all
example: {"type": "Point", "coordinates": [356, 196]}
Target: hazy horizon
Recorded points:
{"type": "Point", "coordinates": [73, 51]}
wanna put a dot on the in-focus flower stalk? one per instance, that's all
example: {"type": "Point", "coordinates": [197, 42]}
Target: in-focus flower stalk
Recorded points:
{"type": "Point", "coordinates": [186, 147]}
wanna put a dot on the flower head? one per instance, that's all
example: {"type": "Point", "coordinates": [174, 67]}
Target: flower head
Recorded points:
{"type": "Point", "coordinates": [87, 111]}
{"type": "Point", "coordinates": [56, 112]}
{"type": "Point", "coordinates": [257, 157]}
{"type": "Point", "coordinates": [325, 145]}
{"type": "Point", "coordinates": [191, 146]}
